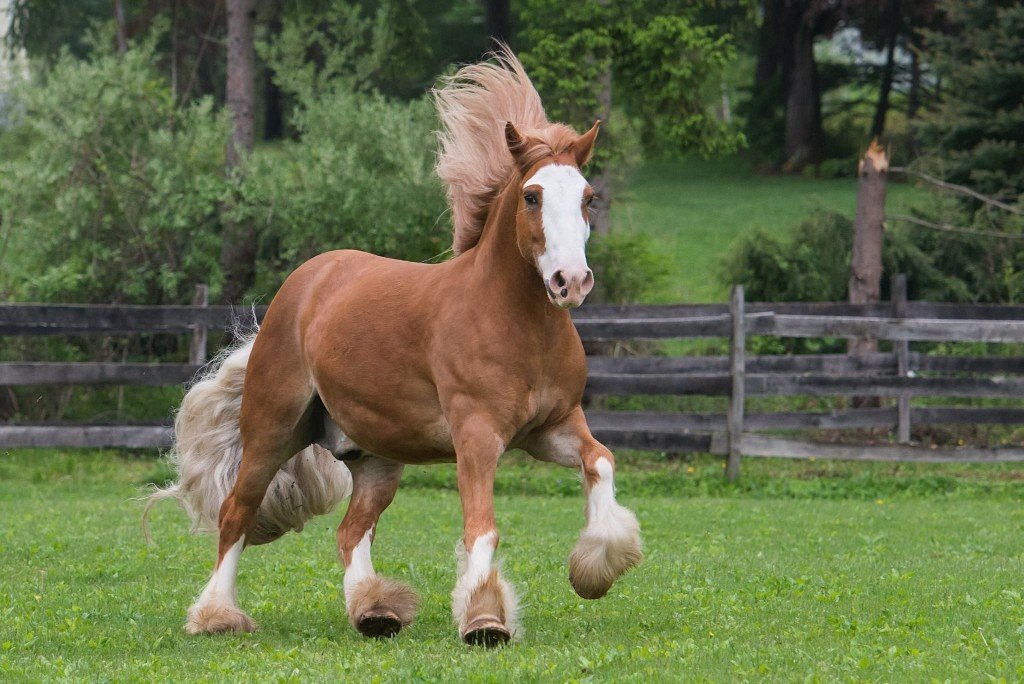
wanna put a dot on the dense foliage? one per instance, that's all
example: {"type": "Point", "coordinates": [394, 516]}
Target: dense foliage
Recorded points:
{"type": "Point", "coordinates": [813, 263]}
{"type": "Point", "coordinates": [628, 266]}
{"type": "Point", "coordinates": [649, 60]}
{"type": "Point", "coordinates": [115, 196]}
{"type": "Point", "coordinates": [810, 264]}
{"type": "Point", "coordinates": [959, 266]}
{"type": "Point", "coordinates": [360, 176]}
{"type": "Point", "coordinates": [118, 193]}
{"type": "Point", "coordinates": [975, 136]}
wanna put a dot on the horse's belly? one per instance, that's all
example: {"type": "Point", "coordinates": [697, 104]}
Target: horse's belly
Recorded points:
{"type": "Point", "coordinates": [403, 441]}
{"type": "Point", "coordinates": [404, 426]}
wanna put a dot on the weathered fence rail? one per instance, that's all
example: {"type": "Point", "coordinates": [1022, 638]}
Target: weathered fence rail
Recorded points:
{"type": "Point", "coordinates": [734, 433]}
{"type": "Point", "coordinates": [87, 373]}
{"type": "Point", "coordinates": [594, 322]}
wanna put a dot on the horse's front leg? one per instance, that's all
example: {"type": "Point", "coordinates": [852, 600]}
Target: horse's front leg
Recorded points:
{"type": "Point", "coordinates": [609, 544]}
{"type": "Point", "coordinates": [483, 603]}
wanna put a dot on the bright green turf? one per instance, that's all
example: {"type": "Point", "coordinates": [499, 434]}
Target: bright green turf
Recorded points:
{"type": "Point", "coordinates": [747, 585]}
{"type": "Point", "coordinates": [695, 208]}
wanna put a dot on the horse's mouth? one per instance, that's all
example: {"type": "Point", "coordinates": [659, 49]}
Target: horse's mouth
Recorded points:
{"type": "Point", "coordinates": [564, 304]}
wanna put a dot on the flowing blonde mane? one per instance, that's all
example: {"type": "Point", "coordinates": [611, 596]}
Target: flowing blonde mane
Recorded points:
{"type": "Point", "coordinates": [473, 160]}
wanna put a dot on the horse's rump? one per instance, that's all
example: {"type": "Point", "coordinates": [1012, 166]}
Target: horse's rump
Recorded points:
{"type": "Point", "coordinates": [207, 453]}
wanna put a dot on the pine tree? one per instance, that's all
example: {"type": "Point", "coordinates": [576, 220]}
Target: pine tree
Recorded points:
{"type": "Point", "coordinates": [975, 135]}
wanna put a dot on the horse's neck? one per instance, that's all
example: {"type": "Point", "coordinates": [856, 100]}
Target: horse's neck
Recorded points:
{"type": "Point", "coordinates": [501, 272]}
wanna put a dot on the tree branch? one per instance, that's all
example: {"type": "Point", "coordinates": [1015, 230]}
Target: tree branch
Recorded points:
{"type": "Point", "coordinates": [945, 227]}
{"type": "Point", "coordinates": [962, 189]}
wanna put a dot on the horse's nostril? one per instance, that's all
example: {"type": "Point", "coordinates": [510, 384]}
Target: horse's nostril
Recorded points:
{"type": "Point", "coordinates": [559, 278]}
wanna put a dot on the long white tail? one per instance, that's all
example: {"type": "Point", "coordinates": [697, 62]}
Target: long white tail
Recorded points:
{"type": "Point", "coordinates": [208, 450]}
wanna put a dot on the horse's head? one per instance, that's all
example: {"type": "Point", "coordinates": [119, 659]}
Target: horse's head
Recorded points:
{"type": "Point", "coordinates": [553, 216]}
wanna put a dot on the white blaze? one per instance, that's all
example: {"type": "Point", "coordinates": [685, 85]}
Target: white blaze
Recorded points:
{"type": "Point", "coordinates": [565, 230]}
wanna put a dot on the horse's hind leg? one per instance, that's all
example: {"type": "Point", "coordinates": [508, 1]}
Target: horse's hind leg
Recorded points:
{"type": "Point", "coordinates": [274, 427]}
{"type": "Point", "coordinates": [377, 606]}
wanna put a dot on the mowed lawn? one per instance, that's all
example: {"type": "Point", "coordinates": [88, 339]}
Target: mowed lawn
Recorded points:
{"type": "Point", "coordinates": [694, 209]}
{"type": "Point", "coordinates": [777, 580]}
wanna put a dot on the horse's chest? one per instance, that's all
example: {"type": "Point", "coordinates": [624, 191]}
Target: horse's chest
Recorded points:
{"type": "Point", "coordinates": [544, 397]}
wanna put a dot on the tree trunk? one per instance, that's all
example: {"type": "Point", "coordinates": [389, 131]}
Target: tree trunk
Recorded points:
{"type": "Point", "coordinates": [238, 245]}
{"type": "Point", "coordinates": [119, 21]}
{"type": "Point", "coordinates": [175, 50]}
{"type": "Point", "coordinates": [241, 90]}
{"type": "Point", "coordinates": [498, 20]}
{"type": "Point", "coordinates": [866, 261]}
{"type": "Point", "coordinates": [725, 108]}
{"type": "Point", "coordinates": [914, 94]}
{"type": "Point", "coordinates": [770, 42]}
{"type": "Point", "coordinates": [273, 98]}
{"type": "Point", "coordinates": [882, 108]}
{"type": "Point", "coordinates": [804, 136]}
{"type": "Point", "coordinates": [602, 182]}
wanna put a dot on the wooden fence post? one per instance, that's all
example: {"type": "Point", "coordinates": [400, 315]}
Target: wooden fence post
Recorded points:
{"type": "Point", "coordinates": [898, 301]}
{"type": "Point", "coordinates": [197, 349]}
{"type": "Point", "coordinates": [737, 371]}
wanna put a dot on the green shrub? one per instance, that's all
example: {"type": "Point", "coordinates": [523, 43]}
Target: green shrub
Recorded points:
{"type": "Point", "coordinates": [811, 264]}
{"type": "Point", "coordinates": [627, 267]}
{"type": "Point", "coordinates": [113, 192]}
{"type": "Point", "coordinates": [957, 266]}
{"type": "Point", "coordinates": [360, 176]}
{"type": "Point", "coordinates": [114, 197]}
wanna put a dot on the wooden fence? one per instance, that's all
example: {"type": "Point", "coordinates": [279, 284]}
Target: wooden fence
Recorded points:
{"type": "Point", "coordinates": [899, 374]}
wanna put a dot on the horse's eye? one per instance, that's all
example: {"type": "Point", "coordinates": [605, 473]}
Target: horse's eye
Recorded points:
{"type": "Point", "coordinates": [590, 200]}
{"type": "Point", "coordinates": [530, 199]}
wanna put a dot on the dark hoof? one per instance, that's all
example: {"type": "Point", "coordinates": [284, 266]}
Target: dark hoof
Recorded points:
{"type": "Point", "coordinates": [379, 625]}
{"type": "Point", "coordinates": [486, 631]}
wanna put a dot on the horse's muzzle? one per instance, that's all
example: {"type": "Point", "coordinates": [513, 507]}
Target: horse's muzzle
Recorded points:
{"type": "Point", "coordinates": [567, 288]}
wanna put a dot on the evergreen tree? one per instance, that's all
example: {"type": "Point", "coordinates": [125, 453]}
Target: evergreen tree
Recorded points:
{"type": "Point", "coordinates": [975, 135]}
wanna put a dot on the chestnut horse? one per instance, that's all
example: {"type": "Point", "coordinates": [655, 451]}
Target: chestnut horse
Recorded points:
{"type": "Point", "coordinates": [381, 363]}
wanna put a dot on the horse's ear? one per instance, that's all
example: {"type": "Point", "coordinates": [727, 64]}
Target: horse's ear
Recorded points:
{"type": "Point", "coordinates": [515, 141]}
{"type": "Point", "coordinates": [584, 145]}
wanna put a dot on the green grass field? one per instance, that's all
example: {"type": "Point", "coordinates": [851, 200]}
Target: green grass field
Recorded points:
{"type": "Point", "coordinates": [694, 209]}
{"type": "Point", "coordinates": [802, 571]}
{"type": "Point", "coordinates": [806, 572]}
